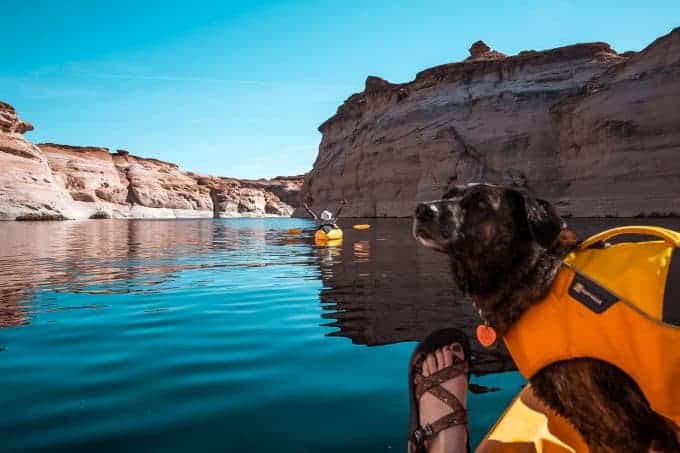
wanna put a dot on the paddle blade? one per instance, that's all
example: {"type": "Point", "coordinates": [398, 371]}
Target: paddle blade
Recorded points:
{"type": "Point", "coordinates": [293, 231]}
{"type": "Point", "coordinates": [361, 226]}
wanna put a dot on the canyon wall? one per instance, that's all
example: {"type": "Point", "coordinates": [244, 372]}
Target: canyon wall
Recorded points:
{"type": "Point", "coordinates": [28, 188]}
{"type": "Point", "coordinates": [55, 182]}
{"type": "Point", "coordinates": [594, 131]}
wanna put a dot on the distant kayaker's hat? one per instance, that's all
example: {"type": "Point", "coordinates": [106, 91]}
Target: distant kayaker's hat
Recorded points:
{"type": "Point", "coordinates": [326, 215]}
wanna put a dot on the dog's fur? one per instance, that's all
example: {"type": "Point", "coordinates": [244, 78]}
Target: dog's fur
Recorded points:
{"type": "Point", "coordinates": [505, 249]}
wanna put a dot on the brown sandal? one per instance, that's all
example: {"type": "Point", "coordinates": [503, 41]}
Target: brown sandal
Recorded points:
{"type": "Point", "coordinates": [419, 385]}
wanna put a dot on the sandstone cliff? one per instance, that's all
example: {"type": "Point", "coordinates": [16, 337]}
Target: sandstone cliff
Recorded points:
{"type": "Point", "coordinates": [592, 130]}
{"type": "Point", "coordinates": [51, 181]}
{"type": "Point", "coordinates": [28, 189]}
{"type": "Point", "coordinates": [233, 197]}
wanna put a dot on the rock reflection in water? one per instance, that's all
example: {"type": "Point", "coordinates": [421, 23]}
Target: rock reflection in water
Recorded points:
{"type": "Point", "coordinates": [381, 287]}
{"type": "Point", "coordinates": [118, 256]}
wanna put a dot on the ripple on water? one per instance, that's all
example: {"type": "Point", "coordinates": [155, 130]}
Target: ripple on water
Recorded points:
{"type": "Point", "coordinates": [209, 335]}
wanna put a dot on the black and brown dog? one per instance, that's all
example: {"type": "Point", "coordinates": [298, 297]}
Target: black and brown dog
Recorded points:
{"type": "Point", "coordinates": [506, 249]}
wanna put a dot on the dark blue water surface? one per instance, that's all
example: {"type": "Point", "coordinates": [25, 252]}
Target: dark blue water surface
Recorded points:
{"type": "Point", "coordinates": [220, 335]}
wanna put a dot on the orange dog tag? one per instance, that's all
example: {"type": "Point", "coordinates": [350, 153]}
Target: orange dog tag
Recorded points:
{"type": "Point", "coordinates": [486, 335]}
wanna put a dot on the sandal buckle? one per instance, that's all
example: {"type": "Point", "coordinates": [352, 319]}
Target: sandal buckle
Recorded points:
{"type": "Point", "coordinates": [422, 434]}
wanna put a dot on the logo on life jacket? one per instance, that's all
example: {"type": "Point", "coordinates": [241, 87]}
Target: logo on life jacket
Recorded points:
{"type": "Point", "coordinates": [591, 294]}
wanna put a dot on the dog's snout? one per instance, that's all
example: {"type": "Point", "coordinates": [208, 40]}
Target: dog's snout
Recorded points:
{"type": "Point", "coordinates": [425, 212]}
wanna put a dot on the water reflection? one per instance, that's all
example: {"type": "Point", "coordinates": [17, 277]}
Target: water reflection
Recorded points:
{"type": "Point", "coordinates": [383, 288]}
{"type": "Point", "coordinates": [118, 257]}
{"type": "Point", "coordinates": [379, 287]}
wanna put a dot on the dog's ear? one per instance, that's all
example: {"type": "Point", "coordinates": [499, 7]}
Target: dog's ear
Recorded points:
{"type": "Point", "coordinates": [539, 217]}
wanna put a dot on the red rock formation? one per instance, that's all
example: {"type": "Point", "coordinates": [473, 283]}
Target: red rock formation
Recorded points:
{"type": "Point", "coordinates": [157, 184]}
{"type": "Point", "coordinates": [619, 141]}
{"type": "Point", "coordinates": [87, 173]}
{"type": "Point", "coordinates": [480, 51]}
{"type": "Point", "coordinates": [28, 190]}
{"type": "Point", "coordinates": [286, 188]}
{"type": "Point", "coordinates": [52, 181]}
{"type": "Point", "coordinates": [237, 198]}
{"type": "Point", "coordinates": [595, 131]}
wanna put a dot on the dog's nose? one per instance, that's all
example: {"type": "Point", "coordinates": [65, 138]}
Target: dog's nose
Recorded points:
{"type": "Point", "coordinates": [425, 212]}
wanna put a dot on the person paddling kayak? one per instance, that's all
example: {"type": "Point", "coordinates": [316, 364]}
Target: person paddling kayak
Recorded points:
{"type": "Point", "coordinates": [326, 227]}
{"type": "Point", "coordinates": [326, 217]}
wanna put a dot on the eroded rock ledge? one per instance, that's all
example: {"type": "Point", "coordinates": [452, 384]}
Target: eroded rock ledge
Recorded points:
{"type": "Point", "coordinates": [595, 131]}
{"type": "Point", "coordinates": [54, 182]}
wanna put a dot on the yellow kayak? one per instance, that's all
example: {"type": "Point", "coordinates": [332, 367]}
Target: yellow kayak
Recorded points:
{"type": "Point", "coordinates": [327, 233]}
{"type": "Point", "coordinates": [528, 425]}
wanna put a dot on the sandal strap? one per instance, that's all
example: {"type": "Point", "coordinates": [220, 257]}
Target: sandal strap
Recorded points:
{"type": "Point", "coordinates": [448, 398]}
{"type": "Point", "coordinates": [432, 429]}
{"type": "Point", "coordinates": [432, 384]}
{"type": "Point", "coordinates": [425, 384]}
{"type": "Point", "coordinates": [449, 420]}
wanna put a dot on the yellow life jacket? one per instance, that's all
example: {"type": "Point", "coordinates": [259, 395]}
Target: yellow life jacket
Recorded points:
{"type": "Point", "coordinates": [614, 303]}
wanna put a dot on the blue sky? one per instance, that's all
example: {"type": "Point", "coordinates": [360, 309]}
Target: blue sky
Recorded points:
{"type": "Point", "coordinates": [239, 88]}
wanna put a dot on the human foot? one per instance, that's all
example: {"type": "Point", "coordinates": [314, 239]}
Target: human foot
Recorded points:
{"type": "Point", "coordinates": [440, 387]}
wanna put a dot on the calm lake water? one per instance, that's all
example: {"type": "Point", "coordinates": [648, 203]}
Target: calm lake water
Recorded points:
{"type": "Point", "coordinates": [223, 335]}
